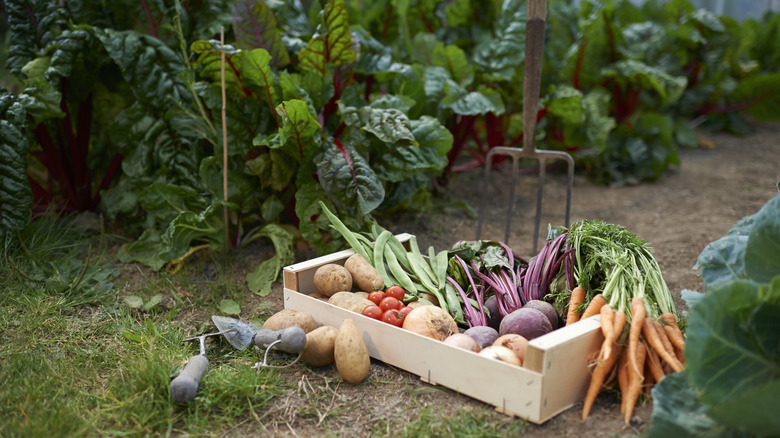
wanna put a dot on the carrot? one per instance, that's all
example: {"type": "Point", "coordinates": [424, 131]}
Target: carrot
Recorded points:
{"type": "Point", "coordinates": [607, 318]}
{"type": "Point", "coordinates": [594, 307]}
{"type": "Point", "coordinates": [649, 380]}
{"type": "Point", "coordinates": [634, 382]}
{"type": "Point", "coordinates": [654, 340]}
{"type": "Point", "coordinates": [638, 314]}
{"type": "Point", "coordinates": [662, 336]}
{"type": "Point", "coordinates": [603, 368]}
{"type": "Point", "coordinates": [673, 331]}
{"type": "Point", "coordinates": [623, 380]}
{"type": "Point", "coordinates": [654, 364]}
{"type": "Point", "coordinates": [619, 321]}
{"type": "Point", "coordinates": [575, 301]}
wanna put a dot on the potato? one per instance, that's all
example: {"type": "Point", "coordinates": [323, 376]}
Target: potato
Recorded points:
{"type": "Point", "coordinates": [361, 294]}
{"type": "Point", "coordinates": [320, 344]}
{"type": "Point", "coordinates": [350, 301]}
{"type": "Point", "coordinates": [332, 278]}
{"type": "Point", "coordinates": [351, 355]}
{"type": "Point", "coordinates": [364, 275]}
{"type": "Point", "coordinates": [288, 318]}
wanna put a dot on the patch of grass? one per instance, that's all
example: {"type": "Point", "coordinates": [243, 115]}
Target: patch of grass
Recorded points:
{"type": "Point", "coordinates": [480, 422]}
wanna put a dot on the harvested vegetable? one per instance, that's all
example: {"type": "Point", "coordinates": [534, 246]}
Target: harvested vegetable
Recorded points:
{"type": "Point", "coordinates": [350, 301]}
{"type": "Point", "coordinates": [288, 318]}
{"type": "Point", "coordinates": [501, 354]}
{"type": "Point", "coordinates": [484, 335]}
{"type": "Point", "coordinates": [600, 372]}
{"type": "Point", "coordinates": [576, 300]}
{"type": "Point", "coordinates": [516, 343]}
{"type": "Point", "coordinates": [546, 308]}
{"type": "Point", "coordinates": [351, 354]}
{"type": "Point", "coordinates": [364, 274]}
{"type": "Point", "coordinates": [430, 321]}
{"type": "Point", "coordinates": [463, 341]}
{"type": "Point", "coordinates": [320, 346]}
{"type": "Point", "coordinates": [332, 278]}
{"type": "Point", "coordinates": [635, 379]}
{"type": "Point", "coordinates": [528, 323]}
{"type": "Point", "coordinates": [594, 307]}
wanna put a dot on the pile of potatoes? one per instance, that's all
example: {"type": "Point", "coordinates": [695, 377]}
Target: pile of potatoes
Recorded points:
{"type": "Point", "coordinates": [334, 283]}
{"type": "Point", "coordinates": [326, 345]}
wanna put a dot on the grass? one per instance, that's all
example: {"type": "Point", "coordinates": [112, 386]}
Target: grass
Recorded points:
{"type": "Point", "coordinates": [78, 361]}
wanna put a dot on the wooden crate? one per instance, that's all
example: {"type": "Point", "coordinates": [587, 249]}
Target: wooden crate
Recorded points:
{"type": "Point", "coordinates": [554, 376]}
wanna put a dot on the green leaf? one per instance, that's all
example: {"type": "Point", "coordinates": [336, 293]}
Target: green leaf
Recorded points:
{"type": "Point", "coordinates": [347, 179]}
{"type": "Point", "coordinates": [565, 102]}
{"type": "Point", "coordinates": [268, 271]}
{"type": "Point", "coordinates": [453, 59]}
{"type": "Point", "coordinates": [332, 45]}
{"type": "Point", "coordinates": [258, 77]}
{"type": "Point", "coordinates": [189, 226]}
{"type": "Point", "coordinates": [134, 302]}
{"type": "Point", "coordinates": [374, 57]}
{"type": "Point", "coordinates": [458, 13]}
{"type": "Point", "coordinates": [153, 301]}
{"type": "Point", "coordinates": [762, 252]}
{"type": "Point", "coordinates": [255, 26]}
{"type": "Point", "coordinates": [762, 93]}
{"type": "Point", "coordinates": [732, 353]}
{"type": "Point", "coordinates": [474, 103]}
{"type": "Point", "coordinates": [669, 88]}
{"type": "Point", "coordinates": [146, 250]}
{"type": "Point", "coordinates": [229, 307]}
{"type": "Point", "coordinates": [15, 193]}
{"type": "Point", "coordinates": [677, 412]}
{"type": "Point", "coordinates": [209, 60]}
{"type": "Point", "coordinates": [394, 101]}
{"type": "Point", "coordinates": [388, 125]}
{"type": "Point", "coordinates": [501, 55]}
{"type": "Point", "coordinates": [33, 24]}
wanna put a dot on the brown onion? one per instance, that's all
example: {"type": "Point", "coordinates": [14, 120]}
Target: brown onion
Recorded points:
{"type": "Point", "coordinates": [463, 341]}
{"type": "Point", "coordinates": [502, 354]}
{"type": "Point", "coordinates": [516, 343]}
{"type": "Point", "coordinates": [430, 321]}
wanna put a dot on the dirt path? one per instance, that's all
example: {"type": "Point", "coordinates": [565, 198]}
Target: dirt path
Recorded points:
{"type": "Point", "coordinates": [678, 216]}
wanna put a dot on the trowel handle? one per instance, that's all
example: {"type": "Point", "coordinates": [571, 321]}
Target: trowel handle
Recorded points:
{"type": "Point", "coordinates": [185, 385]}
{"type": "Point", "coordinates": [293, 339]}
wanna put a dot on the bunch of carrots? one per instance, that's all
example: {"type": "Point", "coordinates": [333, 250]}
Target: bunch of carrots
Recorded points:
{"type": "Point", "coordinates": [639, 349]}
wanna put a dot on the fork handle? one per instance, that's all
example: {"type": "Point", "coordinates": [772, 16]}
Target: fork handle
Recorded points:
{"type": "Point", "coordinates": [534, 51]}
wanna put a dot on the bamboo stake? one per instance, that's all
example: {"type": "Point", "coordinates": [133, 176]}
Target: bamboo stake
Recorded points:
{"type": "Point", "coordinates": [224, 143]}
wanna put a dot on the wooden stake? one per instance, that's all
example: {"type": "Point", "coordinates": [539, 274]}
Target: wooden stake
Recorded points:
{"type": "Point", "coordinates": [225, 215]}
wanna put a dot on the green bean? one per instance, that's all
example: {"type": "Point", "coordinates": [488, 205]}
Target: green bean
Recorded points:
{"type": "Point", "coordinates": [379, 258]}
{"type": "Point", "coordinates": [345, 232]}
{"type": "Point", "coordinates": [403, 278]}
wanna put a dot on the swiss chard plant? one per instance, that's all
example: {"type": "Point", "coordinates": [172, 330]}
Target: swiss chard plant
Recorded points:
{"type": "Point", "coordinates": [732, 373]}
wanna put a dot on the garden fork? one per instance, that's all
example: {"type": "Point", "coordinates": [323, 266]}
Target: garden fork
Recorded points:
{"type": "Point", "coordinates": [534, 49]}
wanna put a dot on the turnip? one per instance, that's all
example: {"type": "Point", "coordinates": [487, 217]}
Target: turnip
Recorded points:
{"type": "Point", "coordinates": [484, 335]}
{"type": "Point", "coordinates": [546, 308]}
{"type": "Point", "coordinates": [526, 322]}
{"type": "Point", "coordinates": [491, 304]}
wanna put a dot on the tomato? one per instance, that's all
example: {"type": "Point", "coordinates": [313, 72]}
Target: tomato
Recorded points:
{"type": "Point", "coordinates": [405, 310]}
{"type": "Point", "coordinates": [396, 292]}
{"type": "Point", "coordinates": [376, 296]}
{"type": "Point", "coordinates": [393, 317]}
{"type": "Point", "coordinates": [390, 303]}
{"type": "Point", "coordinates": [373, 312]}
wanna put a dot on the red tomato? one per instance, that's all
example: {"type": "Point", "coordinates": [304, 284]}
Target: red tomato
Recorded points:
{"type": "Point", "coordinates": [390, 303]}
{"type": "Point", "coordinates": [376, 296]}
{"type": "Point", "coordinates": [405, 310]}
{"type": "Point", "coordinates": [396, 292]}
{"type": "Point", "coordinates": [373, 312]}
{"type": "Point", "coordinates": [393, 317]}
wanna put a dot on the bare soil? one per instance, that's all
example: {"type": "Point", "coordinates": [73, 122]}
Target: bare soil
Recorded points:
{"type": "Point", "coordinates": [678, 215]}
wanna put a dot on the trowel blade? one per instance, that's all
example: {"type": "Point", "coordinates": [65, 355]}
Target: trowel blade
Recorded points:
{"type": "Point", "coordinates": [240, 333]}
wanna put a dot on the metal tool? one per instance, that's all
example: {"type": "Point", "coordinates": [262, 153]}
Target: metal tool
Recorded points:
{"type": "Point", "coordinates": [185, 385]}
{"type": "Point", "coordinates": [241, 334]}
{"type": "Point", "coordinates": [534, 50]}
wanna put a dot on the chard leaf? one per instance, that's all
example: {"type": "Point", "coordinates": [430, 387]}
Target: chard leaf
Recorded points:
{"type": "Point", "coordinates": [457, 12]}
{"type": "Point", "coordinates": [473, 103]}
{"type": "Point", "coordinates": [146, 250]}
{"type": "Point", "coordinates": [453, 59]}
{"type": "Point", "coordinates": [300, 129]}
{"type": "Point", "coordinates": [373, 56]}
{"type": "Point", "coordinates": [240, 189]}
{"type": "Point", "coordinates": [332, 44]}
{"type": "Point", "coordinates": [34, 25]}
{"type": "Point", "coordinates": [189, 226]}
{"type": "Point", "coordinates": [15, 193]}
{"type": "Point", "coordinates": [503, 53]}
{"type": "Point", "coordinates": [394, 101]}
{"type": "Point", "coordinates": [312, 221]}
{"type": "Point", "coordinates": [261, 279]}
{"type": "Point", "coordinates": [599, 123]}
{"type": "Point", "coordinates": [347, 179]}
{"type": "Point", "coordinates": [565, 102]}
{"type": "Point", "coordinates": [388, 125]}
{"type": "Point", "coordinates": [257, 76]}
{"type": "Point", "coordinates": [166, 201]}
{"type": "Point", "coordinates": [209, 60]}
{"type": "Point", "coordinates": [402, 162]}
{"type": "Point", "coordinates": [669, 88]}
{"type": "Point", "coordinates": [148, 65]}
{"type": "Point", "coordinates": [733, 356]}
{"type": "Point", "coordinates": [255, 26]}
{"type": "Point", "coordinates": [762, 252]}
{"type": "Point", "coordinates": [762, 92]}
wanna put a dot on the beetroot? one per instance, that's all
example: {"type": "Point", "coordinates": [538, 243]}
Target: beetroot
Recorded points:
{"type": "Point", "coordinates": [526, 322]}
{"type": "Point", "coordinates": [484, 335]}
{"type": "Point", "coordinates": [546, 308]}
{"type": "Point", "coordinates": [495, 316]}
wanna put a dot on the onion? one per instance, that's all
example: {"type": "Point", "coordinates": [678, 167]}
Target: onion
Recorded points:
{"type": "Point", "coordinates": [502, 354]}
{"type": "Point", "coordinates": [463, 341]}
{"type": "Point", "coordinates": [430, 321]}
{"type": "Point", "coordinates": [514, 342]}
